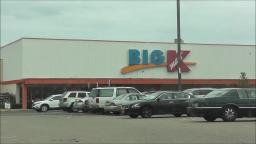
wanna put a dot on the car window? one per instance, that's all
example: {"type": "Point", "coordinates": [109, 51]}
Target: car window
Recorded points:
{"type": "Point", "coordinates": [196, 92]}
{"type": "Point", "coordinates": [106, 92]}
{"type": "Point", "coordinates": [166, 96]}
{"type": "Point", "coordinates": [72, 95]}
{"type": "Point", "coordinates": [153, 95]}
{"type": "Point", "coordinates": [204, 92]}
{"type": "Point", "coordinates": [181, 96]}
{"type": "Point", "coordinates": [132, 90]}
{"type": "Point", "coordinates": [93, 93]}
{"type": "Point", "coordinates": [242, 94]}
{"type": "Point", "coordinates": [132, 97]}
{"type": "Point", "coordinates": [252, 93]}
{"type": "Point", "coordinates": [140, 97]}
{"type": "Point", "coordinates": [57, 97]}
{"type": "Point", "coordinates": [217, 93]}
{"type": "Point", "coordinates": [121, 91]}
{"type": "Point", "coordinates": [232, 93]}
{"type": "Point", "coordinates": [121, 97]}
{"type": "Point", "coordinates": [82, 95]}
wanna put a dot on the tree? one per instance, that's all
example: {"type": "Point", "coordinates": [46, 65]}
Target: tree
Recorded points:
{"type": "Point", "coordinates": [243, 81]}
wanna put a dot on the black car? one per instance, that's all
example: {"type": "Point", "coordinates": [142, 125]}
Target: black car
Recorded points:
{"type": "Point", "coordinates": [226, 103]}
{"type": "Point", "coordinates": [162, 102]}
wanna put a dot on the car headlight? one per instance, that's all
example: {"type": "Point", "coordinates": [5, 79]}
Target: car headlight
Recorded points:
{"type": "Point", "coordinates": [136, 105]}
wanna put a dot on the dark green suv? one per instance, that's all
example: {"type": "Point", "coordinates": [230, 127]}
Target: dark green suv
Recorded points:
{"type": "Point", "coordinates": [226, 103]}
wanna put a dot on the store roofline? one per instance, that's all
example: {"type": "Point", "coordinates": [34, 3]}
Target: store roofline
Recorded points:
{"type": "Point", "coordinates": [95, 40]}
{"type": "Point", "coordinates": [45, 81]}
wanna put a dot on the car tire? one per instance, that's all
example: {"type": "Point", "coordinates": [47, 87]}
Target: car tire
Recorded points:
{"type": "Point", "coordinates": [229, 114]}
{"type": "Point", "coordinates": [177, 114]}
{"type": "Point", "coordinates": [133, 115]}
{"type": "Point", "coordinates": [44, 108]}
{"type": "Point", "coordinates": [146, 112]}
{"type": "Point", "coordinates": [209, 118]}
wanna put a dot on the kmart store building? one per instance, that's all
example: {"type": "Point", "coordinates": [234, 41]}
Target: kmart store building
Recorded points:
{"type": "Point", "coordinates": [35, 68]}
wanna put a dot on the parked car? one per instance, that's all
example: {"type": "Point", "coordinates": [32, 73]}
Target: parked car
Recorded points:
{"type": "Point", "coordinates": [80, 105]}
{"type": "Point", "coordinates": [100, 95]}
{"type": "Point", "coordinates": [49, 103]}
{"type": "Point", "coordinates": [162, 102]}
{"type": "Point", "coordinates": [115, 106]}
{"type": "Point", "coordinates": [69, 98]}
{"type": "Point", "coordinates": [226, 103]}
{"type": "Point", "coordinates": [198, 92]}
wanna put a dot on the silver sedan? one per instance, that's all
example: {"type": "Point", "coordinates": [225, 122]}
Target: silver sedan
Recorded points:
{"type": "Point", "coordinates": [116, 105]}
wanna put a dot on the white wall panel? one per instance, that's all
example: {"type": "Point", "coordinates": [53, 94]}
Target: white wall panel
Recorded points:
{"type": "Point", "coordinates": [12, 61]}
{"type": "Point", "coordinates": [99, 59]}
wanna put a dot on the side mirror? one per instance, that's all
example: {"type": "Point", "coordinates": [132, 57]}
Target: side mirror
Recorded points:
{"type": "Point", "coordinates": [50, 99]}
{"type": "Point", "coordinates": [158, 99]}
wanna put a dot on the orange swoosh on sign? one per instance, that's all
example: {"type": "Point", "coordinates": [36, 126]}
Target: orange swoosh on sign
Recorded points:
{"type": "Point", "coordinates": [145, 66]}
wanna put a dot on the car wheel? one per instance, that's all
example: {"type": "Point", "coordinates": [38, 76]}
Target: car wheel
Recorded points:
{"type": "Point", "coordinates": [44, 108]}
{"type": "Point", "coordinates": [177, 114]}
{"type": "Point", "coordinates": [133, 115]}
{"type": "Point", "coordinates": [146, 112]}
{"type": "Point", "coordinates": [209, 118]}
{"type": "Point", "coordinates": [229, 114]}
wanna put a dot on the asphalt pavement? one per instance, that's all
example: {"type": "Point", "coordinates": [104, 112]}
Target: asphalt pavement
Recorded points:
{"type": "Point", "coordinates": [66, 128]}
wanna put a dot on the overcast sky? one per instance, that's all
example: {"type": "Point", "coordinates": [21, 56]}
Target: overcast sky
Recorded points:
{"type": "Point", "coordinates": [202, 21]}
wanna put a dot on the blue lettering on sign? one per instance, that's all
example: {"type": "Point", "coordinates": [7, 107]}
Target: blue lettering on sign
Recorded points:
{"type": "Point", "coordinates": [134, 57]}
{"type": "Point", "coordinates": [145, 57]}
{"type": "Point", "coordinates": [157, 57]}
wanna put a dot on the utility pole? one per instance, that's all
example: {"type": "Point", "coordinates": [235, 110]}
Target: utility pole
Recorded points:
{"type": "Point", "coordinates": [179, 47]}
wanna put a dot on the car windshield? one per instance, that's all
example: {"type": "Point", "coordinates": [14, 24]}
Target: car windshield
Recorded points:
{"type": "Point", "coordinates": [152, 96]}
{"type": "Point", "coordinates": [217, 93]}
{"type": "Point", "coordinates": [49, 97]}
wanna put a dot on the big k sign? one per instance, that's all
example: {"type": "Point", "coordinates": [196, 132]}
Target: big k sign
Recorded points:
{"type": "Point", "coordinates": [142, 60]}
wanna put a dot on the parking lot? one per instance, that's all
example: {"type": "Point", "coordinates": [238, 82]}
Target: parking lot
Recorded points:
{"type": "Point", "coordinates": [60, 127]}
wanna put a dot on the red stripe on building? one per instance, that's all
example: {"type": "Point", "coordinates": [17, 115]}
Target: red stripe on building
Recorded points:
{"type": "Point", "coordinates": [122, 81]}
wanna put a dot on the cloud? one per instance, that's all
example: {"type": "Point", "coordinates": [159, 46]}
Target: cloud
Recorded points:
{"type": "Point", "coordinates": [203, 22]}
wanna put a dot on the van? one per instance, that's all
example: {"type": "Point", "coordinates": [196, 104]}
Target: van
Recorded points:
{"type": "Point", "coordinates": [100, 95]}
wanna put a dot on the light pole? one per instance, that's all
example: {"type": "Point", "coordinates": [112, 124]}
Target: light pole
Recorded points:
{"type": "Point", "coordinates": [179, 43]}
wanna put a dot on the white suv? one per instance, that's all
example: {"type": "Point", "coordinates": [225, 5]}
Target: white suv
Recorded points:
{"type": "Point", "coordinates": [69, 97]}
{"type": "Point", "coordinates": [51, 102]}
{"type": "Point", "coordinates": [100, 95]}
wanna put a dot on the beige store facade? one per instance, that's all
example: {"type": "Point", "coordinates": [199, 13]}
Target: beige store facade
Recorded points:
{"type": "Point", "coordinates": [37, 67]}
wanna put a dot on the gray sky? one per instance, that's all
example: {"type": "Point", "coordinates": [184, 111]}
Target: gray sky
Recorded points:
{"type": "Point", "coordinates": [219, 21]}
